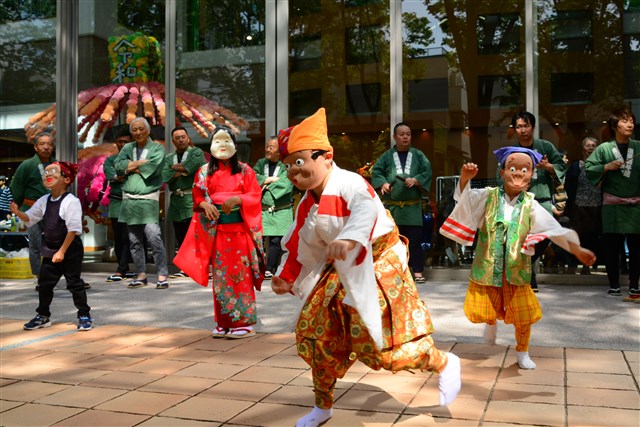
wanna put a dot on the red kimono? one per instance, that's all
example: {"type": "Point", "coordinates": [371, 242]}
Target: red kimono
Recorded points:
{"type": "Point", "coordinates": [232, 245]}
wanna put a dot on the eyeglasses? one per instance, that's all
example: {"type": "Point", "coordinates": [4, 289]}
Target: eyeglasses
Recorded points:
{"type": "Point", "coordinates": [52, 172]}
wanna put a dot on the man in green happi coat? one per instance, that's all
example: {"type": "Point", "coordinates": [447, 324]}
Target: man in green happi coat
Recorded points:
{"type": "Point", "coordinates": [27, 187]}
{"type": "Point", "coordinates": [178, 172]}
{"type": "Point", "coordinates": [277, 201]}
{"type": "Point", "coordinates": [613, 166]}
{"type": "Point", "coordinates": [403, 175]}
{"type": "Point", "coordinates": [141, 161]}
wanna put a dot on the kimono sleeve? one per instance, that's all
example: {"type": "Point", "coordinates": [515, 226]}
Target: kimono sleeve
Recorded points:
{"type": "Point", "coordinates": [467, 216]}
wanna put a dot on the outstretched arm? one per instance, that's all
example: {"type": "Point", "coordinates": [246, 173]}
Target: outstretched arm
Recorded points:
{"type": "Point", "coordinates": [467, 173]}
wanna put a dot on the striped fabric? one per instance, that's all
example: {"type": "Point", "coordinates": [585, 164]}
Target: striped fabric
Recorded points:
{"type": "Point", "coordinates": [516, 305]}
{"type": "Point", "coordinates": [457, 231]}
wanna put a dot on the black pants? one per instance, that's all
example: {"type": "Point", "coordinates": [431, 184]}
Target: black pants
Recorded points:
{"type": "Point", "coordinates": [121, 245]}
{"type": "Point", "coordinates": [416, 253]}
{"type": "Point", "coordinates": [180, 229]}
{"type": "Point", "coordinates": [274, 253]}
{"type": "Point", "coordinates": [613, 241]}
{"type": "Point", "coordinates": [51, 273]}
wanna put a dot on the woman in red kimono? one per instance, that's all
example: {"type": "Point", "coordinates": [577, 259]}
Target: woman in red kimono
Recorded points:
{"type": "Point", "coordinates": [226, 232]}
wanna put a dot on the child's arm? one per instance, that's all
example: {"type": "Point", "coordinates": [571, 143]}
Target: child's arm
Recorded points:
{"type": "Point", "coordinates": [16, 210]}
{"type": "Point", "coordinates": [467, 173]}
{"type": "Point", "coordinates": [59, 256]}
{"type": "Point", "coordinates": [585, 256]}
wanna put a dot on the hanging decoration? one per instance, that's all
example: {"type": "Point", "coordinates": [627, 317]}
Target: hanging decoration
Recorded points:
{"type": "Point", "coordinates": [135, 89]}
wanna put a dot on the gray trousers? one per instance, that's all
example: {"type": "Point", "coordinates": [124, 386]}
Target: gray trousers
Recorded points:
{"type": "Point", "coordinates": [34, 233]}
{"type": "Point", "coordinates": [154, 238]}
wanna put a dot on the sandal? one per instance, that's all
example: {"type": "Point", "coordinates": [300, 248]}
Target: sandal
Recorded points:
{"type": "Point", "coordinates": [420, 279]}
{"type": "Point", "coordinates": [138, 283]}
{"type": "Point", "coordinates": [162, 284]}
{"type": "Point", "coordinates": [242, 332]}
{"type": "Point", "coordinates": [219, 332]}
{"type": "Point", "coordinates": [178, 275]}
{"type": "Point", "coordinates": [115, 278]}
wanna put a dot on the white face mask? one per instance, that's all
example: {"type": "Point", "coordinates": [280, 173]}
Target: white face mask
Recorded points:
{"type": "Point", "coordinates": [222, 146]}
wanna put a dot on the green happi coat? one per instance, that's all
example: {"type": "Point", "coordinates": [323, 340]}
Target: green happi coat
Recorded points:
{"type": "Point", "coordinates": [543, 184]}
{"type": "Point", "coordinates": [27, 181]}
{"type": "Point", "coordinates": [277, 199]}
{"type": "Point", "coordinates": [623, 216]}
{"type": "Point", "coordinates": [181, 202]}
{"type": "Point", "coordinates": [115, 186]}
{"type": "Point", "coordinates": [404, 203]}
{"type": "Point", "coordinates": [140, 191]}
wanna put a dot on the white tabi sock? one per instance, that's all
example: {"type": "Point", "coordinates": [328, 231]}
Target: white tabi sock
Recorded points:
{"type": "Point", "coordinates": [450, 380]}
{"type": "Point", "coordinates": [315, 418]}
{"type": "Point", "coordinates": [490, 332]}
{"type": "Point", "coordinates": [524, 361]}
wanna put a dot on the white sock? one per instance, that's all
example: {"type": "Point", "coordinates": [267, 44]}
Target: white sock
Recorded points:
{"type": "Point", "coordinates": [524, 361]}
{"type": "Point", "coordinates": [490, 332]}
{"type": "Point", "coordinates": [450, 380]}
{"type": "Point", "coordinates": [314, 418]}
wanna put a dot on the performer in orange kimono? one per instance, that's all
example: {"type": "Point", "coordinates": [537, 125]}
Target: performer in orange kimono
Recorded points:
{"type": "Point", "coordinates": [347, 261]}
{"type": "Point", "coordinates": [226, 232]}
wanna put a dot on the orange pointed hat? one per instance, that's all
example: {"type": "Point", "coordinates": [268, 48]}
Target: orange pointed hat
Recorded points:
{"type": "Point", "coordinates": [310, 134]}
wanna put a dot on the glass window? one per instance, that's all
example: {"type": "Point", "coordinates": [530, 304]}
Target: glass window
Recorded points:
{"type": "Point", "coordinates": [499, 91]}
{"type": "Point", "coordinates": [571, 88]}
{"type": "Point", "coordinates": [305, 102]}
{"type": "Point", "coordinates": [571, 31]}
{"type": "Point", "coordinates": [499, 34]}
{"type": "Point", "coordinates": [305, 52]}
{"type": "Point", "coordinates": [27, 76]}
{"type": "Point", "coordinates": [428, 94]}
{"type": "Point", "coordinates": [365, 44]}
{"type": "Point", "coordinates": [363, 99]}
{"type": "Point", "coordinates": [466, 82]}
{"type": "Point", "coordinates": [587, 61]}
{"type": "Point", "coordinates": [237, 24]}
{"type": "Point", "coordinates": [221, 58]}
{"type": "Point", "coordinates": [344, 67]}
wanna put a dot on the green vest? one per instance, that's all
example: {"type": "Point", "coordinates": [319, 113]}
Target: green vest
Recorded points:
{"type": "Point", "coordinates": [500, 242]}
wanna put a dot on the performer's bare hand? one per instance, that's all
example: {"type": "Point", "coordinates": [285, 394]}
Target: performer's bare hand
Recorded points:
{"type": "Point", "coordinates": [211, 212]}
{"type": "Point", "coordinates": [13, 207]}
{"type": "Point", "coordinates": [467, 173]}
{"type": "Point", "coordinates": [544, 164]}
{"type": "Point", "coordinates": [230, 203]}
{"type": "Point", "coordinates": [268, 180]}
{"type": "Point", "coordinates": [385, 188]}
{"type": "Point", "coordinates": [338, 249]}
{"type": "Point", "coordinates": [585, 256]}
{"type": "Point", "coordinates": [614, 165]}
{"type": "Point", "coordinates": [410, 182]}
{"type": "Point", "coordinates": [280, 286]}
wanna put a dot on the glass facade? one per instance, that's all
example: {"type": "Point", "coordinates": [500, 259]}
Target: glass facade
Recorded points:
{"type": "Point", "coordinates": [456, 72]}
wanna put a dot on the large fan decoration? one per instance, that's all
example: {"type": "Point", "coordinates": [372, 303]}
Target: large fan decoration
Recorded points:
{"type": "Point", "coordinates": [135, 90]}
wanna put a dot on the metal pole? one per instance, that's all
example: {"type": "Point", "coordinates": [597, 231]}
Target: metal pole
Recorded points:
{"type": "Point", "coordinates": [170, 112]}
{"type": "Point", "coordinates": [67, 81]}
{"type": "Point", "coordinates": [395, 47]}
{"type": "Point", "coordinates": [531, 63]}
